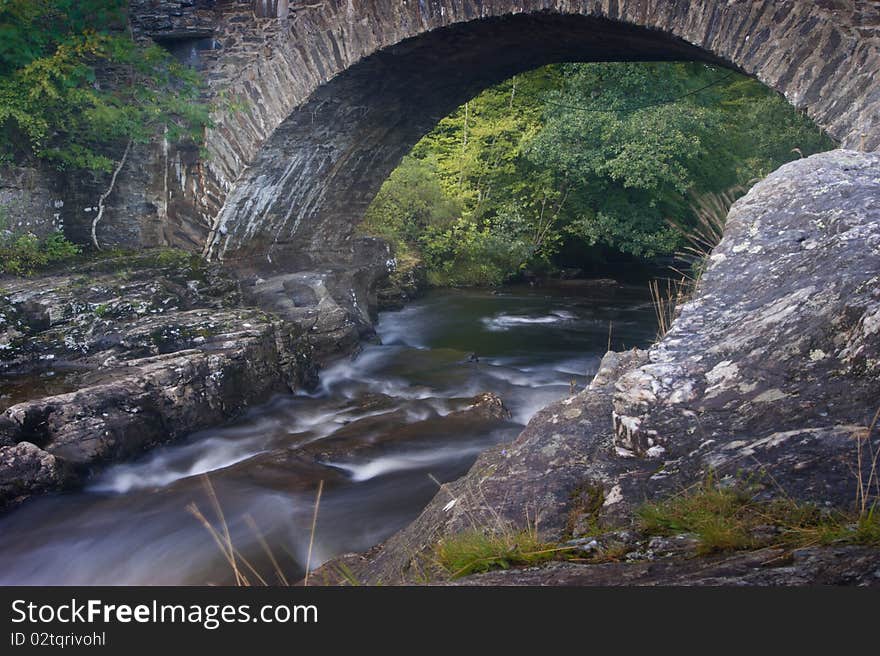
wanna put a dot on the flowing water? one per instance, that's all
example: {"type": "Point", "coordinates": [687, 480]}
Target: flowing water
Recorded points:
{"type": "Point", "coordinates": [380, 431]}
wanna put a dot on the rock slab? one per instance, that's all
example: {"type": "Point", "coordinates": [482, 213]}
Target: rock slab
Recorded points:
{"type": "Point", "coordinates": [769, 373]}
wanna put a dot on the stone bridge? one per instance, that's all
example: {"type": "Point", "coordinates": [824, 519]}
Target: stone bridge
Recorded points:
{"type": "Point", "coordinates": [318, 100]}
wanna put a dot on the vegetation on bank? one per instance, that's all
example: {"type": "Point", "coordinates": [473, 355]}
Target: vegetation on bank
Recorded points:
{"type": "Point", "coordinates": [721, 518]}
{"type": "Point", "coordinates": [75, 86]}
{"type": "Point", "coordinates": [77, 92]}
{"type": "Point", "coordinates": [574, 163]}
{"type": "Point", "coordinates": [25, 253]}
{"type": "Point", "coordinates": [737, 517]}
{"type": "Point", "coordinates": [477, 551]}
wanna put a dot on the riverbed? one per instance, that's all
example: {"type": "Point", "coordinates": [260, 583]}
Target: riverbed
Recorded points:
{"type": "Point", "coordinates": [381, 432]}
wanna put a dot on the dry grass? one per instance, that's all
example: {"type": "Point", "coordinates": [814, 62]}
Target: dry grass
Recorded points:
{"type": "Point", "coordinates": [710, 211]}
{"type": "Point", "coordinates": [244, 572]}
{"type": "Point", "coordinates": [312, 533]}
{"type": "Point", "coordinates": [666, 300]}
{"type": "Point", "coordinates": [867, 456]}
{"type": "Point", "coordinates": [239, 565]}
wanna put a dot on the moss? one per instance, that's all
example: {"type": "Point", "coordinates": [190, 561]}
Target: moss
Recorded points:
{"type": "Point", "coordinates": [585, 506]}
{"type": "Point", "coordinates": [172, 257]}
{"type": "Point", "coordinates": [26, 254]}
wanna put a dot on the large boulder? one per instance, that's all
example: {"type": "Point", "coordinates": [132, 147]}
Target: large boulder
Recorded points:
{"type": "Point", "coordinates": [770, 373]}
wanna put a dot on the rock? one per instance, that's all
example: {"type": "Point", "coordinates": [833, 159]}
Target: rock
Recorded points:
{"type": "Point", "coordinates": [814, 566]}
{"type": "Point", "coordinates": [26, 469]}
{"type": "Point", "coordinates": [336, 303]}
{"type": "Point", "coordinates": [486, 406]}
{"type": "Point", "coordinates": [585, 546]}
{"type": "Point", "coordinates": [773, 367]}
{"type": "Point", "coordinates": [367, 437]}
{"type": "Point", "coordinates": [675, 545]}
{"type": "Point", "coordinates": [407, 280]}
{"type": "Point", "coordinates": [770, 373]}
{"type": "Point", "coordinates": [29, 201]}
{"type": "Point", "coordinates": [161, 346]}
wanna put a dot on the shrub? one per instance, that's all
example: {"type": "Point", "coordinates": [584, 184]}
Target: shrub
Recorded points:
{"type": "Point", "coordinates": [26, 253]}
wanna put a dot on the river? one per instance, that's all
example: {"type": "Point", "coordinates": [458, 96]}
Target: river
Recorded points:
{"type": "Point", "coordinates": [378, 432]}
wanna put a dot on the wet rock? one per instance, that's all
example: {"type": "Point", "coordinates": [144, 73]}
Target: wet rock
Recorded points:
{"type": "Point", "coordinates": [161, 346]}
{"type": "Point", "coordinates": [371, 435]}
{"type": "Point", "coordinates": [26, 469]}
{"type": "Point", "coordinates": [486, 406]}
{"type": "Point", "coordinates": [334, 297]}
{"type": "Point", "coordinates": [285, 471]}
{"type": "Point", "coordinates": [406, 281]}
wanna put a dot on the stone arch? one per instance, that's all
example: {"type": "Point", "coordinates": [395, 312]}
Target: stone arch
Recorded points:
{"type": "Point", "coordinates": [334, 93]}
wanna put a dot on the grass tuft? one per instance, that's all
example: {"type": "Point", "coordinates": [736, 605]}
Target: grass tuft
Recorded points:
{"type": "Point", "coordinates": [476, 551]}
{"type": "Point", "coordinates": [733, 518]}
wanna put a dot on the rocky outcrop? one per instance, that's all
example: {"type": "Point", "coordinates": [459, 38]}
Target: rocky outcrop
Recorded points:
{"type": "Point", "coordinates": [770, 373]}
{"type": "Point", "coordinates": [335, 302]}
{"type": "Point", "coordinates": [25, 468]}
{"type": "Point", "coordinates": [813, 566]}
{"type": "Point", "coordinates": [149, 347]}
{"type": "Point", "coordinates": [407, 280]}
{"type": "Point", "coordinates": [29, 202]}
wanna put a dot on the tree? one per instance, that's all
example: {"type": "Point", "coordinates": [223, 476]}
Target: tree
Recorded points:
{"type": "Point", "coordinates": [597, 155]}
{"type": "Point", "coordinates": [75, 86]}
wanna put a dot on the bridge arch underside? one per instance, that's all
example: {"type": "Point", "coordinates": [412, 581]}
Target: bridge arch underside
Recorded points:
{"type": "Point", "coordinates": [298, 202]}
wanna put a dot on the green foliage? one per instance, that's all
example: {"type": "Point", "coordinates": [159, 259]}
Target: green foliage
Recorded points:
{"type": "Point", "coordinates": [411, 201]}
{"type": "Point", "coordinates": [73, 84]}
{"type": "Point", "coordinates": [468, 254]}
{"type": "Point", "coordinates": [588, 154]}
{"type": "Point", "coordinates": [735, 517]}
{"type": "Point", "coordinates": [26, 253]}
{"type": "Point", "coordinates": [477, 551]}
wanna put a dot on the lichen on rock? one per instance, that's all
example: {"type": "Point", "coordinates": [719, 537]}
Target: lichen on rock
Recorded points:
{"type": "Point", "coordinates": [735, 389]}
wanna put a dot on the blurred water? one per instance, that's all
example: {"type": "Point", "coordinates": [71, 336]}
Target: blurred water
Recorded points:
{"type": "Point", "coordinates": [377, 431]}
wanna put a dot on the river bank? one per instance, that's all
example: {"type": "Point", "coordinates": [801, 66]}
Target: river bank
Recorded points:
{"type": "Point", "coordinates": [455, 372]}
{"type": "Point", "coordinates": [110, 358]}
{"type": "Point", "coordinates": [768, 377]}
